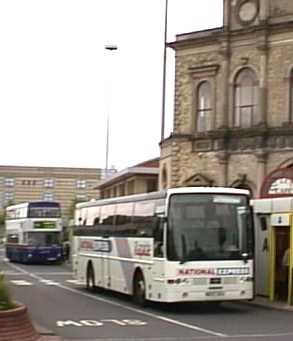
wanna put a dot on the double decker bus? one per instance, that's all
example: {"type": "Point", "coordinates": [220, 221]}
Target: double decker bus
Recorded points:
{"type": "Point", "coordinates": [179, 245]}
{"type": "Point", "coordinates": [34, 232]}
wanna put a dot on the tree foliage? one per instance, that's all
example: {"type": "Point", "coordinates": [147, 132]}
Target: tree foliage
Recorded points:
{"type": "Point", "coordinates": [2, 218]}
{"type": "Point", "coordinates": [6, 301]}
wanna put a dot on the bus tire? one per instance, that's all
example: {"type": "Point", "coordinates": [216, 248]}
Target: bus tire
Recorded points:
{"type": "Point", "coordinates": [139, 292]}
{"type": "Point", "coordinates": [90, 278]}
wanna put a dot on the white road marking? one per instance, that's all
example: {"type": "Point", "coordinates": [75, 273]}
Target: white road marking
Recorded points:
{"type": "Point", "coordinates": [73, 281]}
{"type": "Point", "coordinates": [95, 323]}
{"type": "Point", "coordinates": [136, 310]}
{"type": "Point", "coordinates": [11, 273]}
{"type": "Point", "coordinates": [48, 282]}
{"type": "Point", "coordinates": [166, 338]}
{"type": "Point", "coordinates": [68, 323]}
{"type": "Point", "coordinates": [196, 338]}
{"type": "Point", "coordinates": [54, 273]}
{"type": "Point", "coordinates": [21, 282]}
{"type": "Point", "coordinates": [260, 335]}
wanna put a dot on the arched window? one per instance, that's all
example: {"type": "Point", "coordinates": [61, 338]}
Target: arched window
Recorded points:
{"type": "Point", "coordinates": [245, 98]}
{"type": "Point", "coordinates": [291, 97]}
{"type": "Point", "coordinates": [164, 177]}
{"type": "Point", "coordinates": [204, 107]}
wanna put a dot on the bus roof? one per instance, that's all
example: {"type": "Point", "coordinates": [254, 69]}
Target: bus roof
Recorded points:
{"type": "Point", "coordinates": [39, 203]}
{"type": "Point", "coordinates": [214, 190]}
{"type": "Point", "coordinates": [163, 194]}
{"type": "Point", "coordinates": [126, 198]}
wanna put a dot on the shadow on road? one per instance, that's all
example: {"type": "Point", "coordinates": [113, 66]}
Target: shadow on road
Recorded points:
{"type": "Point", "coordinates": [184, 308]}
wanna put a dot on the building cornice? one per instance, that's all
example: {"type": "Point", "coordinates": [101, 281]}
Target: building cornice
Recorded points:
{"type": "Point", "coordinates": [127, 173]}
{"type": "Point", "coordinates": [174, 137]}
{"type": "Point", "coordinates": [33, 171]}
{"type": "Point", "coordinates": [236, 140]}
{"type": "Point", "coordinates": [212, 36]}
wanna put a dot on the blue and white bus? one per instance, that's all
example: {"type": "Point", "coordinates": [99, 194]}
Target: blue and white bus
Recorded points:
{"type": "Point", "coordinates": [34, 232]}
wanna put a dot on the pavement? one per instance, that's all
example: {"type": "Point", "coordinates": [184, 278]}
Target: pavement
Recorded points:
{"type": "Point", "coordinates": [265, 302]}
{"type": "Point", "coordinates": [47, 335]}
{"type": "Point", "coordinates": [50, 338]}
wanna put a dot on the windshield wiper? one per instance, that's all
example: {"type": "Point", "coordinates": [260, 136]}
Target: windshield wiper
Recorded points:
{"type": "Point", "coordinates": [191, 259]}
{"type": "Point", "coordinates": [183, 260]}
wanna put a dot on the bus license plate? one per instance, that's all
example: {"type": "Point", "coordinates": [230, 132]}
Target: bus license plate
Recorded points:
{"type": "Point", "coordinates": [215, 293]}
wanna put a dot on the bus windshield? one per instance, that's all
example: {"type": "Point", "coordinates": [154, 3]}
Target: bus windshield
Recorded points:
{"type": "Point", "coordinates": [43, 238]}
{"type": "Point", "coordinates": [209, 227]}
{"type": "Point", "coordinates": [44, 212]}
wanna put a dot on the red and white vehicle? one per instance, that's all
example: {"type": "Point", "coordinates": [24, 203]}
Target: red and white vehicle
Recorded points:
{"type": "Point", "coordinates": [182, 244]}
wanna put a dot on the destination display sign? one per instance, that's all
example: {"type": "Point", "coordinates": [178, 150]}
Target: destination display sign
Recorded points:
{"type": "Point", "coordinates": [44, 224]}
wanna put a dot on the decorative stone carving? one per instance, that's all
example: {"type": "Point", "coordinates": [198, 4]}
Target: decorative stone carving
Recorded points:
{"type": "Point", "coordinates": [261, 155]}
{"type": "Point", "coordinates": [198, 180]}
{"type": "Point", "coordinates": [225, 51]}
{"type": "Point", "coordinates": [239, 140]}
{"type": "Point", "coordinates": [223, 157]}
{"type": "Point", "coordinates": [262, 46]}
{"type": "Point", "coordinates": [242, 182]}
{"type": "Point", "coordinates": [202, 145]}
{"type": "Point", "coordinates": [279, 12]}
{"type": "Point", "coordinates": [204, 71]}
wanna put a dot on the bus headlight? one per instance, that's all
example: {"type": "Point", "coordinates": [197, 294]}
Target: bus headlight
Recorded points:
{"type": "Point", "coordinates": [245, 279]}
{"type": "Point", "coordinates": [177, 281]}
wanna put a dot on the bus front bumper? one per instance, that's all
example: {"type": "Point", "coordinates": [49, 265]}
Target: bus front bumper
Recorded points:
{"type": "Point", "coordinates": [190, 294]}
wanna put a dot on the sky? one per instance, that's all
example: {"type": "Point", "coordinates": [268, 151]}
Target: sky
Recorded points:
{"type": "Point", "coordinates": [59, 85]}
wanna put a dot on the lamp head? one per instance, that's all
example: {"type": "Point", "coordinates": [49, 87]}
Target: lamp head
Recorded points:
{"type": "Point", "coordinates": [111, 47]}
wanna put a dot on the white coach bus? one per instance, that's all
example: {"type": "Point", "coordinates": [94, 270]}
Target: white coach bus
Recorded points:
{"type": "Point", "coordinates": [183, 244]}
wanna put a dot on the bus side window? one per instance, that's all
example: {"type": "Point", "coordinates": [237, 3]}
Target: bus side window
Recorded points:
{"type": "Point", "coordinates": [12, 238]}
{"type": "Point", "coordinates": [107, 219]}
{"type": "Point", "coordinates": [143, 218]}
{"type": "Point", "coordinates": [97, 221]}
{"type": "Point", "coordinates": [158, 237]}
{"type": "Point", "coordinates": [123, 220]}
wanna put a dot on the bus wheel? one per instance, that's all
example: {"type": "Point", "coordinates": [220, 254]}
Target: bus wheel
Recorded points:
{"type": "Point", "coordinates": [139, 289]}
{"type": "Point", "coordinates": [90, 278]}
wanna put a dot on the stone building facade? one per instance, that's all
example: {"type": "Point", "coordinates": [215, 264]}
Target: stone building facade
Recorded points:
{"type": "Point", "coordinates": [233, 110]}
{"type": "Point", "coordinates": [65, 185]}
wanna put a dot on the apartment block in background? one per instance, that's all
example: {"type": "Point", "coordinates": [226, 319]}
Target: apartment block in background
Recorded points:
{"type": "Point", "coordinates": [65, 185]}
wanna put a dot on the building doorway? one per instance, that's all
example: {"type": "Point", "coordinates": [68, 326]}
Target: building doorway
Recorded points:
{"type": "Point", "coordinates": [281, 263]}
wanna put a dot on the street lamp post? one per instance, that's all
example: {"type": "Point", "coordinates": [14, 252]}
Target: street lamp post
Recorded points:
{"type": "Point", "coordinates": [108, 48]}
{"type": "Point", "coordinates": [164, 71]}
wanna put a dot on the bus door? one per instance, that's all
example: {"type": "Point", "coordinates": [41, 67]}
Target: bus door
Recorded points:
{"type": "Point", "coordinates": [280, 287]}
{"type": "Point", "coordinates": [103, 247]}
{"type": "Point", "coordinates": [262, 223]}
{"type": "Point", "coordinates": [158, 269]}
